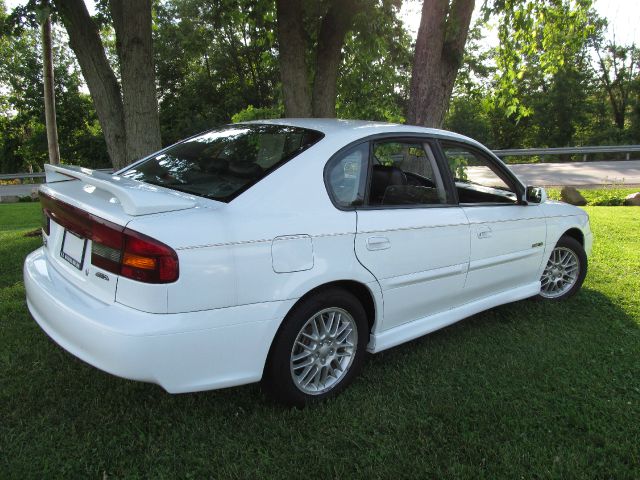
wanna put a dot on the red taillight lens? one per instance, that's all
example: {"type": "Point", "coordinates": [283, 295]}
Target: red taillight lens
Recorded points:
{"type": "Point", "coordinates": [148, 260]}
{"type": "Point", "coordinates": [114, 248]}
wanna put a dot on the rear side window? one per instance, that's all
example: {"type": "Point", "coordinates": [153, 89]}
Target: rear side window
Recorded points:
{"type": "Point", "coordinates": [405, 173]}
{"type": "Point", "coordinates": [346, 176]}
{"type": "Point", "coordinates": [222, 163]}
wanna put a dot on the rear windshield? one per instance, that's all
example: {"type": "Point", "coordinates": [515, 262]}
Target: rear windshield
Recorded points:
{"type": "Point", "coordinates": [222, 163]}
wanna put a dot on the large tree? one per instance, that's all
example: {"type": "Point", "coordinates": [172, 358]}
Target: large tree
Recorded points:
{"type": "Point", "coordinates": [320, 28]}
{"type": "Point", "coordinates": [619, 74]}
{"type": "Point", "coordinates": [128, 111]}
{"type": "Point", "coordinates": [442, 35]}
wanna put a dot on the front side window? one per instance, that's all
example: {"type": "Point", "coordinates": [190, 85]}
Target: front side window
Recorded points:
{"type": "Point", "coordinates": [404, 173]}
{"type": "Point", "coordinates": [476, 178]}
{"type": "Point", "coordinates": [221, 164]}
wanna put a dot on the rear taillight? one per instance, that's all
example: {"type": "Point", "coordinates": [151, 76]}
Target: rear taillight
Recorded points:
{"type": "Point", "coordinates": [147, 260]}
{"type": "Point", "coordinates": [114, 248]}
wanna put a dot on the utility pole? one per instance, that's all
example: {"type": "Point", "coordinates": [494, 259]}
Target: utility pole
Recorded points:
{"type": "Point", "coordinates": [49, 92]}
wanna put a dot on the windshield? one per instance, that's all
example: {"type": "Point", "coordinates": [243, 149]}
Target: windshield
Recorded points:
{"type": "Point", "coordinates": [221, 164]}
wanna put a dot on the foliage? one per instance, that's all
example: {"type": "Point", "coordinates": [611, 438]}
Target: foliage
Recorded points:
{"type": "Point", "coordinates": [541, 86]}
{"type": "Point", "coordinates": [373, 78]}
{"type": "Point", "coordinates": [23, 144]}
{"type": "Point", "coordinates": [471, 116]}
{"type": "Point", "coordinates": [610, 196]}
{"type": "Point", "coordinates": [619, 75]}
{"type": "Point", "coordinates": [552, 81]}
{"type": "Point", "coordinates": [541, 387]}
{"type": "Point", "coordinates": [213, 59]}
{"type": "Point", "coordinates": [251, 113]}
{"type": "Point", "coordinates": [537, 38]}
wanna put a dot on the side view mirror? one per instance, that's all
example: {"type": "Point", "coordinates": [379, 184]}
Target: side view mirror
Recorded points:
{"type": "Point", "coordinates": [536, 195]}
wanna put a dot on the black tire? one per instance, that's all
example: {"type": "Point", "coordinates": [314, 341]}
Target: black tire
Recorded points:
{"type": "Point", "coordinates": [571, 244]}
{"type": "Point", "coordinates": [278, 379]}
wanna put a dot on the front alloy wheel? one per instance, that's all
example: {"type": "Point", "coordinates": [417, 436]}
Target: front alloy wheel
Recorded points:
{"type": "Point", "coordinates": [565, 271]}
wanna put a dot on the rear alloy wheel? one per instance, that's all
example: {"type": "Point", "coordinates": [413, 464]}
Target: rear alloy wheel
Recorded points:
{"type": "Point", "coordinates": [565, 271]}
{"type": "Point", "coordinates": [323, 351]}
{"type": "Point", "coordinates": [319, 349]}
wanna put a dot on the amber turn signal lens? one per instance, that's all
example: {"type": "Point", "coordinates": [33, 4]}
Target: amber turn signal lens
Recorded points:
{"type": "Point", "coordinates": [137, 261]}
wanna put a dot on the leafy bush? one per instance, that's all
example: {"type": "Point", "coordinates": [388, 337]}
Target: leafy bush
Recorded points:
{"type": "Point", "coordinates": [604, 197]}
{"type": "Point", "coordinates": [252, 113]}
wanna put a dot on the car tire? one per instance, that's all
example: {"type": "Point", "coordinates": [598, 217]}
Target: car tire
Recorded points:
{"type": "Point", "coordinates": [565, 270]}
{"type": "Point", "coordinates": [319, 349]}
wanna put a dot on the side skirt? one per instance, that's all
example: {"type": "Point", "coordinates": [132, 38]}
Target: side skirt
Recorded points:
{"type": "Point", "coordinates": [417, 328]}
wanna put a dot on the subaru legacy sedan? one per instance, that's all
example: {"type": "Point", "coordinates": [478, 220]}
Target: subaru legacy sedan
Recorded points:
{"type": "Point", "coordinates": [282, 251]}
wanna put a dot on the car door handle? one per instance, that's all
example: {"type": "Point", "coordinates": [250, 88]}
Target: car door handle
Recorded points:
{"type": "Point", "coordinates": [483, 232]}
{"type": "Point", "coordinates": [378, 243]}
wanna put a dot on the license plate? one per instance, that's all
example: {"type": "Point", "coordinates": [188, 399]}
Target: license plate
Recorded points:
{"type": "Point", "coordinates": [73, 248]}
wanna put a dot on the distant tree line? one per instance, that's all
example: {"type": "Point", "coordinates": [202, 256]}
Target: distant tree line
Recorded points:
{"type": "Point", "coordinates": [139, 75]}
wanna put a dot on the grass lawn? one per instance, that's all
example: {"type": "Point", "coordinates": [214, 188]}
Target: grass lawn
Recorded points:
{"type": "Point", "coordinates": [527, 390]}
{"type": "Point", "coordinates": [609, 196]}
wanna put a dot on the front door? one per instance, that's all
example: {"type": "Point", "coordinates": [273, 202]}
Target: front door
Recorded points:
{"type": "Point", "coordinates": [507, 237]}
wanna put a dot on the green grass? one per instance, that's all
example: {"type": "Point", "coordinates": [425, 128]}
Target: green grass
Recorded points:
{"type": "Point", "coordinates": [527, 390]}
{"type": "Point", "coordinates": [610, 196]}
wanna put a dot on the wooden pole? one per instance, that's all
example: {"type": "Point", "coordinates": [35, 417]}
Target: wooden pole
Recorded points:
{"type": "Point", "coordinates": [49, 92]}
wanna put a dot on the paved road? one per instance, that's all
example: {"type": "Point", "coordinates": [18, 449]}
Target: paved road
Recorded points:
{"type": "Point", "coordinates": [576, 173]}
{"type": "Point", "coordinates": [19, 190]}
{"type": "Point", "coordinates": [579, 173]}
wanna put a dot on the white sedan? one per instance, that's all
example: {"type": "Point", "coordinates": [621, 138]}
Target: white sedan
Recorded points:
{"type": "Point", "coordinates": [283, 250]}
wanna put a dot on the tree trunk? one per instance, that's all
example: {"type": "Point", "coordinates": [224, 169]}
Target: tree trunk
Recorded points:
{"type": "Point", "coordinates": [84, 40]}
{"type": "Point", "coordinates": [132, 24]}
{"type": "Point", "coordinates": [49, 91]}
{"type": "Point", "coordinates": [293, 67]}
{"type": "Point", "coordinates": [335, 25]}
{"type": "Point", "coordinates": [443, 31]}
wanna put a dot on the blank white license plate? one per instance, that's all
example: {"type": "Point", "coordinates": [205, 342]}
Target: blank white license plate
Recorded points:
{"type": "Point", "coordinates": [73, 248]}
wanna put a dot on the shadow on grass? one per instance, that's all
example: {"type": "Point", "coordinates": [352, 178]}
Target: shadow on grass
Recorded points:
{"type": "Point", "coordinates": [530, 388]}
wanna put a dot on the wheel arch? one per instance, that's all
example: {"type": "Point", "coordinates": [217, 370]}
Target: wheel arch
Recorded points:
{"type": "Point", "coordinates": [358, 289]}
{"type": "Point", "coordinates": [576, 234]}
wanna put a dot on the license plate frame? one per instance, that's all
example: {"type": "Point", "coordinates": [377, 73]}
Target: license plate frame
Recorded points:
{"type": "Point", "coordinates": [76, 246]}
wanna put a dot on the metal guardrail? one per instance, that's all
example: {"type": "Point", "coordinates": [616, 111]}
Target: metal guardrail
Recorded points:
{"type": "Point", "coordinates": [526, 152]}
{"type": "Point", "coordinates": [514, 152]}
{"type": "Point", "coordinates": [20, 176]}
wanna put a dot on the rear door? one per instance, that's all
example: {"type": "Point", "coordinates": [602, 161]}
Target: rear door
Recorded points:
{"type": "Point", "coordinates": [410, 234]}
{"type": "Point", "coordinates": [507, 237]}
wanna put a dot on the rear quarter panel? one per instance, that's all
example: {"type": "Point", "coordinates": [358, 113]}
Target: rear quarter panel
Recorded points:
{"type": "Point", "coordinates": [225, 252]}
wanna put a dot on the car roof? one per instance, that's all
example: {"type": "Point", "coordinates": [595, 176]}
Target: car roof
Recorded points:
{"type": "Point", "coordinates": [350, 130]}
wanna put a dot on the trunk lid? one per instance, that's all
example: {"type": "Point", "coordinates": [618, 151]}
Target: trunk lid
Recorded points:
{"type": "Point", "coordinates": [74, 198]}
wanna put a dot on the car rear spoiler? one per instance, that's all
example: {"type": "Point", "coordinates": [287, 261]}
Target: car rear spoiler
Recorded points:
{"type": "Point", "coordinates": [136, 198]}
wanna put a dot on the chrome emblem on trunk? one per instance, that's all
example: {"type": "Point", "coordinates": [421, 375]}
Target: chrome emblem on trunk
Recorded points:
{"type": "Point", "coordinates": [102, 276]}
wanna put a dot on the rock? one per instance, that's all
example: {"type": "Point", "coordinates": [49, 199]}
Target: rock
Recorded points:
{"type": "Point", "coordinates": [632, 200]}
{"type": "Point", "coordinates": [34, 193]}
{"type": "Point", "coordinates": [9, 198]}
{"type": "Point", "coordinates": [572, 196]}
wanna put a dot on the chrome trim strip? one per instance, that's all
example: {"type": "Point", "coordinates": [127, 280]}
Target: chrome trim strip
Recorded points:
{"type": "Point", "coordinates": [500, 259]}
{"type": "Point", "coordinates": [425, 276]}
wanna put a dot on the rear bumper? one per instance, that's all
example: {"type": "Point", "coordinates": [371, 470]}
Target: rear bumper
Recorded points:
{"type": "Point", "coordinates": [181, 352]}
